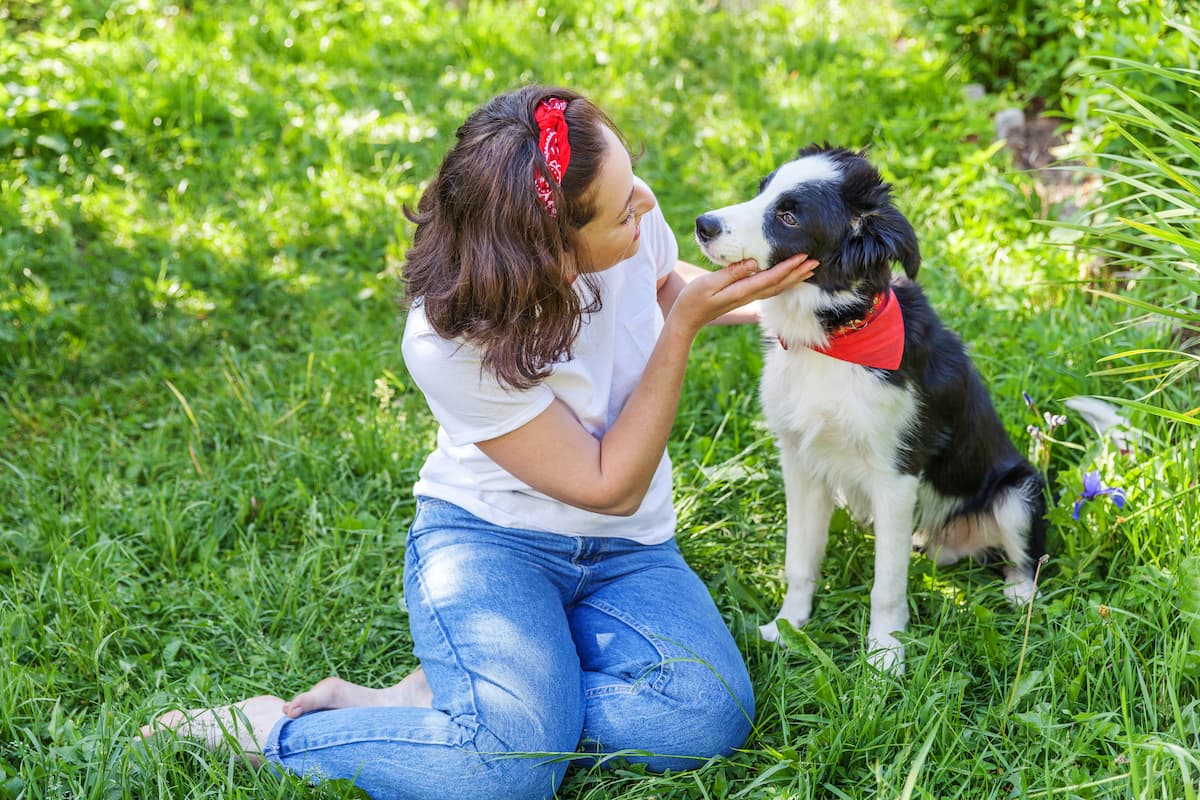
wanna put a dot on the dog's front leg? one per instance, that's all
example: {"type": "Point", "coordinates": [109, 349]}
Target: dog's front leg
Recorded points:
{"type": "Point", "coordinates": [893, 505]}
{"type": "Point", "coordinates": [809, 509]}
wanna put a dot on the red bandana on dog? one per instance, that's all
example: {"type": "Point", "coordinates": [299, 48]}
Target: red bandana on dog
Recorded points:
{"type": "Point", "coordinates": [876, 340]}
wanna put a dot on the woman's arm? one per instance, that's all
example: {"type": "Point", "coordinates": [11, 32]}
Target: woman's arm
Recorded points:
{"type": "Point", "coordinates": [556, 455]}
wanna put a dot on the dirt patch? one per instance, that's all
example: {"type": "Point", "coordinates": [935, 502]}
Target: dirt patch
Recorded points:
{"type": "Point", "coordinates": [1034, 140]}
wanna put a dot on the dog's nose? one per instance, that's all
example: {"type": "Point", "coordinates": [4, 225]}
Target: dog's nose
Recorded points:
{"type": "Point", "coordinates": [707, 227]}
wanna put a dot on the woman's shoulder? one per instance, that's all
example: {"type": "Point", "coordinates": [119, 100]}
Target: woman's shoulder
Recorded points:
{"type": "Point", "coordinates": [420, 343]}
{"type": "Point", "coordinates": [416, 325]}
{"type": "Point", "coordinates": [469, 403]}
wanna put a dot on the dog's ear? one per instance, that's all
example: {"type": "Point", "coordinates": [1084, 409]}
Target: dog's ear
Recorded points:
{"type": "Point", "coordinates": [888, 237]}
{"type": "Point", "coordinates": [906, 249]}
{"type": "Point", "coordinates": [880, 233]}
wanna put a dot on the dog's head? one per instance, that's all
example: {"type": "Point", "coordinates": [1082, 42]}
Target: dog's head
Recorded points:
{"type": "Point", "coordinates": [829, 203]}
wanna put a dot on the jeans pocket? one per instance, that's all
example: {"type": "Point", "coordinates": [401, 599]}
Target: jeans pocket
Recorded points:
{"type": "Point", "coordinates": [628, 653]}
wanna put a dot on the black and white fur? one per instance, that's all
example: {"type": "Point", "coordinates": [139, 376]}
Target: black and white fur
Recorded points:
{"type": "Point", "coordinates": [919, 448]}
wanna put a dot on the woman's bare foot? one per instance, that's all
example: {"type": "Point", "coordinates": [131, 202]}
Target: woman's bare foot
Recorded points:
{"type": "Point", "coordinates": [336, 693]}
{"type": "Point", "coordinates": [243, 725]}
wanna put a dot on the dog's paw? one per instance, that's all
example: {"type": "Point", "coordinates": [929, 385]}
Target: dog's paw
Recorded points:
{"type": "Point", "coordinates": [1021, 593]}
{"type": "Point", "coordinates": [1019, 588]}
{"type": "Point", "coordinates": [795, 611]}
{"type": "Point", "coordinates": [886, 654]}
{"type": "Point", "coordinates": [771, 631]}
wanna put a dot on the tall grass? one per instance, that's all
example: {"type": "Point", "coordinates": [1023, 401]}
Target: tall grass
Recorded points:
{"type": "Point", "coordinates": [1149, 231]}
{"type": "Point", "coordinates": [208, 439]}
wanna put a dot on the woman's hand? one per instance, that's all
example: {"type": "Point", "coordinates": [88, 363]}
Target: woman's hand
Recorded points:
{"type": "Point", "coordinates": [716, 293]}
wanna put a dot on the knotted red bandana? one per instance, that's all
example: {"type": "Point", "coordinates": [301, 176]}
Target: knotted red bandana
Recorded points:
{"type": "Point", "coordinates": [876, 340]}
{"type": "Point", "coordinates": [552, 141]}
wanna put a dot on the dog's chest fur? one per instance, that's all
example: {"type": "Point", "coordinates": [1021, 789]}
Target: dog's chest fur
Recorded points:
{"type": "Point", "coordinates": [838, 419]}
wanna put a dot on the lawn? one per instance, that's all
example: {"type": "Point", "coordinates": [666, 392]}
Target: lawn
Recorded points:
{"type": "Point", "coordinates": [208, 437]}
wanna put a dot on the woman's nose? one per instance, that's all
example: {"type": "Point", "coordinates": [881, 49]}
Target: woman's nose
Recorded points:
{"type": "Point", "coordinates": [643, 202]}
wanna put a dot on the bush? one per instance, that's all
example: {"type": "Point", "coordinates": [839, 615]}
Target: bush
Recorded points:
{"type": "Point", "coordinates": [1027, 47]}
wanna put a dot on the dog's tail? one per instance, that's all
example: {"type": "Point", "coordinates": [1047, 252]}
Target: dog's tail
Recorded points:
{"type": "Point", "coordinates": [1014, 496]}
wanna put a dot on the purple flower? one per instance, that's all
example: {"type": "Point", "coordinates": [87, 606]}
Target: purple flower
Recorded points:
{"type": "Point", "coordinates": [1028, 400]}
{"type": "Point", "coordinates": [1093, 487]}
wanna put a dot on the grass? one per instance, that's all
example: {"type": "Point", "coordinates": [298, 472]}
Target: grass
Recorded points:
{"type": "Point", "coordinates": [208, 440]}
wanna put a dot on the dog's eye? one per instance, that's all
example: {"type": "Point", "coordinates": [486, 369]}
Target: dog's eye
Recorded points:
{"type": "Point", "coordinates": [787, 218]}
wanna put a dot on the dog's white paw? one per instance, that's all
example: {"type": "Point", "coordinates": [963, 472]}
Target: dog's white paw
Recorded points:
{"type": "Point", "coordinates": [1019, 589]}
{"type": "Point", "coordinates": [886, 654]}
{"type": "Point", "coordinates": [770, 631]}
{"type": "Point", "coordinates": [796, 609]}
{"type": "Point", "coordinates": [1020, 594]}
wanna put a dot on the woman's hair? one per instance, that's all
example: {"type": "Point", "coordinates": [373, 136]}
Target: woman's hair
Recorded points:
{"type": "Point", "coordinates": [488, 261]}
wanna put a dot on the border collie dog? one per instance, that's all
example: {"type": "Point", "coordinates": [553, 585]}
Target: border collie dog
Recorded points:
{"type": "Point", "coordinates": [873, 401]}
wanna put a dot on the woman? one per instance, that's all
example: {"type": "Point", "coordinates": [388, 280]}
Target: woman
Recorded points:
{"type": "Point", "coordinates": [550, 608]}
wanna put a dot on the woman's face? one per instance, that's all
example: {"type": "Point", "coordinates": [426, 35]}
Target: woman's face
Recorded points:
{"type": "Point", "coordinates": [614, 232]}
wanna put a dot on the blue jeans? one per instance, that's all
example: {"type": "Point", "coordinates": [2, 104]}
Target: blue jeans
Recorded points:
{"type": "Point", "coordinates": [537, 646]}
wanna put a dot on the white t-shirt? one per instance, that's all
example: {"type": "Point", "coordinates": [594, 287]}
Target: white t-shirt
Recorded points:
{"type": "Point", "coordinates": [471, 406]}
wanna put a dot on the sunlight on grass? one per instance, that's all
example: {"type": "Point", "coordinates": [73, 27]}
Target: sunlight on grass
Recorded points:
{"type": "Point", "coordinates": [208, 439]}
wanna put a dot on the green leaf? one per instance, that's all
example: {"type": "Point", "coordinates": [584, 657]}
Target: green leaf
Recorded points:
{"type": "Point", "coordinates": [1188, 418]}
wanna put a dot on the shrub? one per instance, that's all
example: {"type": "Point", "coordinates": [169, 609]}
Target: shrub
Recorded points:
{"type": "Point", "coordinates": [1028, 46]}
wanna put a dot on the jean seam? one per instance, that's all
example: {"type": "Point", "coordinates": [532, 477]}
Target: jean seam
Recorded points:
{"type": "Point", "coordinates": [327, 741]}
{"type": "Point", "coordinates": [663, 668]}
{"type": "Point", "coordinates": [430, 609]}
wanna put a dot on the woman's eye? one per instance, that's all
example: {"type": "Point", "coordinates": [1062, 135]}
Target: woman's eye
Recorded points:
{"type": "Point", "coordinates": [628, 216]}
{"type": "Point", "coordinates": [787, 218]}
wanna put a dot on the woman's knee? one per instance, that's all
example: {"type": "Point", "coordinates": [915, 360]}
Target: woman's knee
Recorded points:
{"type": "Point", "coordinates": [697, 713]}
{"type": "Point", "coordinates": [720, 704]}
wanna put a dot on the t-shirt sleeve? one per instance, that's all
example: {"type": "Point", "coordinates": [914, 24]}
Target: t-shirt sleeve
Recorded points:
{"type": "Point", "coordinates": [659, 241]}
{"type": "Point", "coordinates": [468, 402]}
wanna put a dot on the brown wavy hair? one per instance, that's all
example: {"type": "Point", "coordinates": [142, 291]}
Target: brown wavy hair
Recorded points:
{"type": "Point", "coordinates": [488, 261]}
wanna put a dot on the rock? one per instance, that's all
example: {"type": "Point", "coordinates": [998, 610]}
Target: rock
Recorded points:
{"type": "Point", "coordinates": [1009, 121]}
